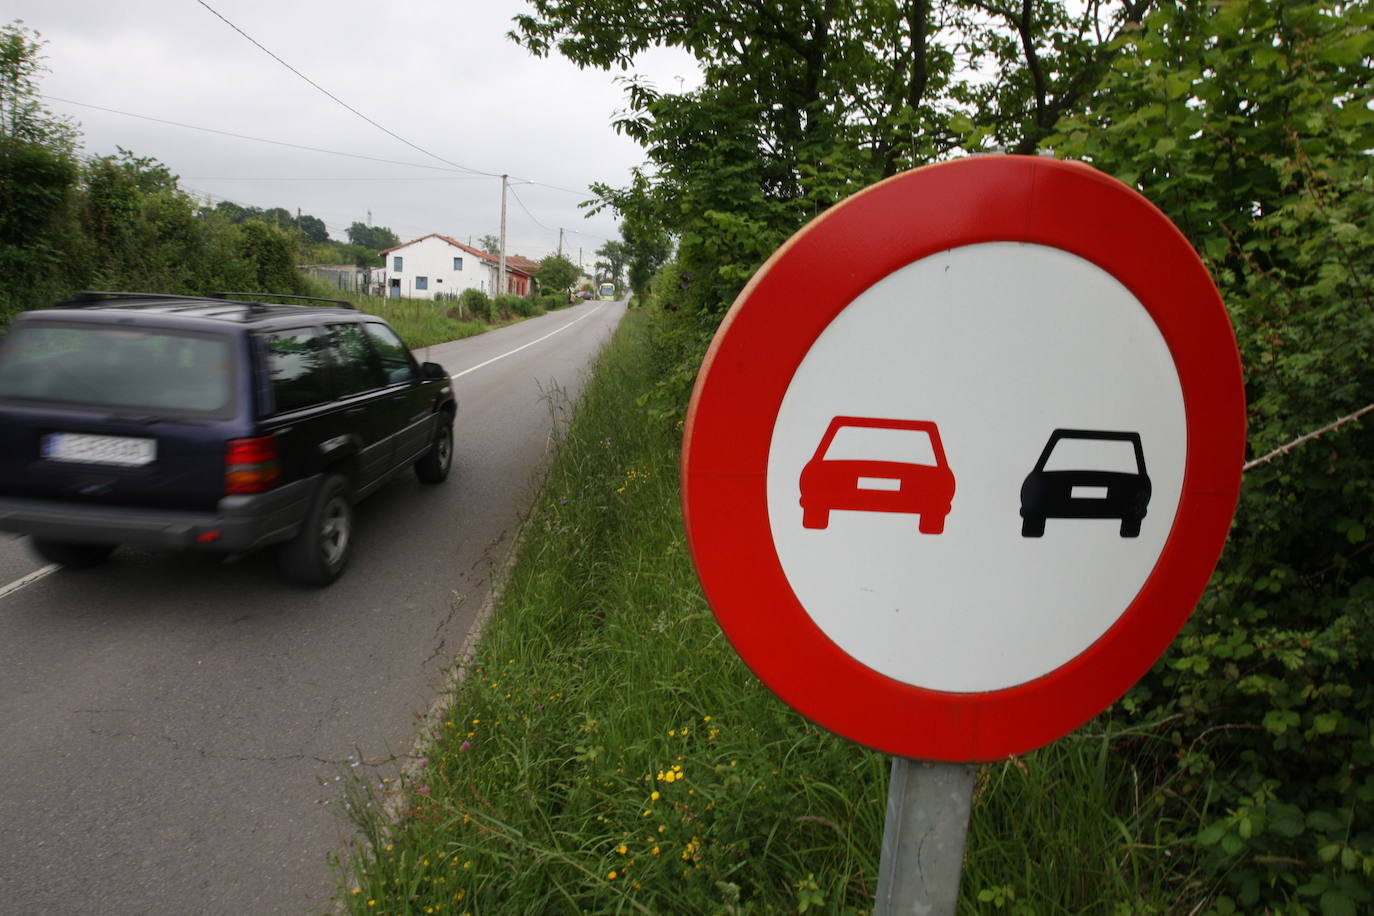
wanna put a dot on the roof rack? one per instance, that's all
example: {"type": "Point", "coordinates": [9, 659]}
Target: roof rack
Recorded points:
{"type": "Point", "coordinates": [86, 296]}
{"type": "Point", "coordinates": [341, 303]}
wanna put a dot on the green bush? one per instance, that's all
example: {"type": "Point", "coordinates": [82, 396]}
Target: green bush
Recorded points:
{"type": "Point", "coordinates": [504, 308]}
{"type": "Point", "coordinates": [475, 305]}
{"type": "Point", "coordinates": [1240, 121]}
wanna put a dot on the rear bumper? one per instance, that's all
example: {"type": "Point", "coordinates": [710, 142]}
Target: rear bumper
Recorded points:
{"type": "Point", "coordinates": [239, 523]}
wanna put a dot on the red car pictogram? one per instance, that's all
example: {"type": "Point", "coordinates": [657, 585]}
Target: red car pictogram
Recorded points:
{"type": "Point", "coordinates": [864, 464]}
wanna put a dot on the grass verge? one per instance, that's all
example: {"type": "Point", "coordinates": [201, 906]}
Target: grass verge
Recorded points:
{"type": "Point", "coordinates": [610, 753]}
{"type": "Point", "coordinates": [420, 322]}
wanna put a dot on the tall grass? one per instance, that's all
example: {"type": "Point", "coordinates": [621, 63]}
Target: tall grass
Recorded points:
{"type": "Point", "coordinates": [420, 322]}
{"type": "Point", "coordinates": [608, 752]}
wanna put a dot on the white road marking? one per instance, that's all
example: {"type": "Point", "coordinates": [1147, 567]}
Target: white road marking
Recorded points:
{"type": "Point", "coordinates": [528, 345]}
{"type": "Point", "coordinates": [32, 577]}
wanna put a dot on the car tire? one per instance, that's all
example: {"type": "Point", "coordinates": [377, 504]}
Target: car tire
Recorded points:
{"type": "Point", "coordinates": [434, 466]}
{"type": "Point", "coordinates": [318, 553]}
{"type": "Point", "coordinates": [1130, 527]}
{"type": "Point", "coordinates": [815, 518]}
{"type": "Point", "coordinates": [1032, 526]}
{"type": "Point", "coordinates": [931, 523]}
{"type": "Point", "coordinates": [70, 555]}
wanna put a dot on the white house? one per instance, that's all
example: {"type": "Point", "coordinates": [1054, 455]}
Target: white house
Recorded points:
{"type": "Point", "coordinates": [437, 264]}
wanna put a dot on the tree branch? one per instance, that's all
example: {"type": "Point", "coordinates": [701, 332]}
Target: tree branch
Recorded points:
{"type": "Point", "coordinates": [1330, 427]}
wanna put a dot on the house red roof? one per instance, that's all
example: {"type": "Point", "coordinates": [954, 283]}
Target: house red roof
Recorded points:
{"type": "Point", "coordinates": [524, 265]}
{"type": "Point", "coordinates": [514, 263]}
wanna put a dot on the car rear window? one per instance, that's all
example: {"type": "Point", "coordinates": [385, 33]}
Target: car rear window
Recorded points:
{"type": "Point", "coordinates": [870, 443]}
{"type": "Point", "coordinates": [1112, 455]}
{"type": "Point", "coordinates": [102, 366]}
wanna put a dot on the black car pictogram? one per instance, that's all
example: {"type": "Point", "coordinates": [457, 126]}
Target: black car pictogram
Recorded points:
{"type": "Point", "coordinates": [1084, 473]}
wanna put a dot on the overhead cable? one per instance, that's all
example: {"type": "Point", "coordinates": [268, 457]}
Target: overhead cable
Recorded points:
{"type": "Point", "coordinates": [334, 97]}
{"type": "Point", "coordinates": [226, 133]}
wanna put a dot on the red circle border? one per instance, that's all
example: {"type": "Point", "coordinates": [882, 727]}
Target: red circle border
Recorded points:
{"type": "Point", "coordinates": [772, 325]}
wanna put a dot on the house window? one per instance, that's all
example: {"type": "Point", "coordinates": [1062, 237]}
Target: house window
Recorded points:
{"type": "Point", "coordinates": [396, 262]}
{"type": "Point", "coordinates": [422, 282]}
{"type": "Point", "coordinates": [457, 263]}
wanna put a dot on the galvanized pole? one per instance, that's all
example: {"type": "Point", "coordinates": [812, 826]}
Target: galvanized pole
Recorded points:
{"type": "Point", "coordinates": [928, 808]}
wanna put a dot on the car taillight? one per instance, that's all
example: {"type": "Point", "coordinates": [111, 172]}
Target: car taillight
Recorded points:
{"type": "Point", "coordinates": [250, 465]}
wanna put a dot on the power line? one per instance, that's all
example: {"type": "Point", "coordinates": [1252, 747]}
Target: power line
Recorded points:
{"type": "Point", "coordinates": [541, 225]}
{"type": "Point", "coordinates": [334, 97]}
{"type": "Point", "coordinates": [555, 187]}
{"type": "Point", "coordinates": [315, 178]}
{"type": "Point", "coordinates": [355, 111]}
{"type": "Point", "coordinates": [527, 211]}
{"type": "Point", "coordinates": [313, 149]}
{"type": "Point", "coordinates": [226, 133]}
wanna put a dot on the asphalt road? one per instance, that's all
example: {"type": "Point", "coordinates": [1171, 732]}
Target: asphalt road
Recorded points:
{"type": "Point", "coordinates": [171, 726]}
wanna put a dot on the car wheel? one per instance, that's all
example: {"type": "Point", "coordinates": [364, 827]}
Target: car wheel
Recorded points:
{"type": "Point", "coordinates": [1130, 527]}
{"type": "Point", "coordinates": [318, 553]}
{"type": "Point", "coordinates": [1032, 526]}
{"type": "Point", "coordinates": [72, 556]}
{"type": "Point", "coordinates": [931, 523]}
{"type": "Point", "coordinates": [815, 518]}
{"type": "Point", "coordinates": [434, 466]}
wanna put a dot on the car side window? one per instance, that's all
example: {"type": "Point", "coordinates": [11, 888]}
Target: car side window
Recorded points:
{"type": "Point", "coordinates": [296, 368]}
{"type": "Point", "coordinates": [397, 363]}
{"type": "Point", "coordinates": [355, 365]}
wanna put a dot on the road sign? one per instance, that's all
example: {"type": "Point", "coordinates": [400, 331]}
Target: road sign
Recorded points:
{"type": "Point", "coordinates": [963, 455]}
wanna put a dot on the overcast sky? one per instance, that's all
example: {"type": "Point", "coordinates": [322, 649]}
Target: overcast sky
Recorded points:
{"type": "Point", "coordinates": [439, 73]}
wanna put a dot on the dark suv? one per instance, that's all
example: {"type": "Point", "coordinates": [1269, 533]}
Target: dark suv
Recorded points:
{"type": "Point", "coordinates": [210, 424]}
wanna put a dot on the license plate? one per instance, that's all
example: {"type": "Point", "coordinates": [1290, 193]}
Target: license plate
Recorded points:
{"type": "Point", "coordinates": [1088, 493]}
{"type": "Point", "coordinates": [879, 483]}
{"type": "Point", "coordinates": [121, 450]}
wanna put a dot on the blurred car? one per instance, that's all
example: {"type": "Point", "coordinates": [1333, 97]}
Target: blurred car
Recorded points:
{"type": "Point", "coordinates": [202, 423]}
{"type": "Point", "coordinates": [1072, 480]}
{"type": "Point", "coordinates": [867, 464]}
{"type": "Point", "coordinates": [585, 294]}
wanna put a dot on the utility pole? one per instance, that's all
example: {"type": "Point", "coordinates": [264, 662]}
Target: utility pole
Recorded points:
{"type": "Point", "coordinates": [501, 275]}
{"type": "Point", "coordinates": [560, 241]}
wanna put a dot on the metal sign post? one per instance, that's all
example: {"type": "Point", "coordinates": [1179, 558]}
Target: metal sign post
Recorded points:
{"type": "Point", "coordinates": [928, 808]}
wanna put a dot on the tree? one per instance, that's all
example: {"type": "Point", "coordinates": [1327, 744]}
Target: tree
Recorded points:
{"type": "Point", "coordinates": [647, 244]}
{"type": "Point", "coordinates": [271, 253]}
{"type": "Point", "coordinates": [22, 116]}
{"type": "Point", "coordinates": [38, 179]}
{"type": "Point", "coordinates": [807, 101]}
{"type": "Point", "coordinates": [490, 244]}
{"type": "Point", "coordinates": [556, 274]}
{"type": "Point", "coordinates": [376, 238]}
{"type": "Point", "coordinates": [234, 212]}
{"type": "Point", "coordinates": [313, 228]}
{"type": "Point", "coordinates": [1248, 123]}
{"type": "Point", "coordinates": [280, 217]}
{"type": "Point", "coordinates": [613, 256]}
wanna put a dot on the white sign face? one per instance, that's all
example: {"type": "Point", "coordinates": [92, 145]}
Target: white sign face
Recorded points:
{"type": "Point", "coordinates": [989, 444]}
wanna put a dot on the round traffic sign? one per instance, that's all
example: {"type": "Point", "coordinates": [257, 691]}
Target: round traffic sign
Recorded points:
{"type": "Point", "coordinates": [963, 455]}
